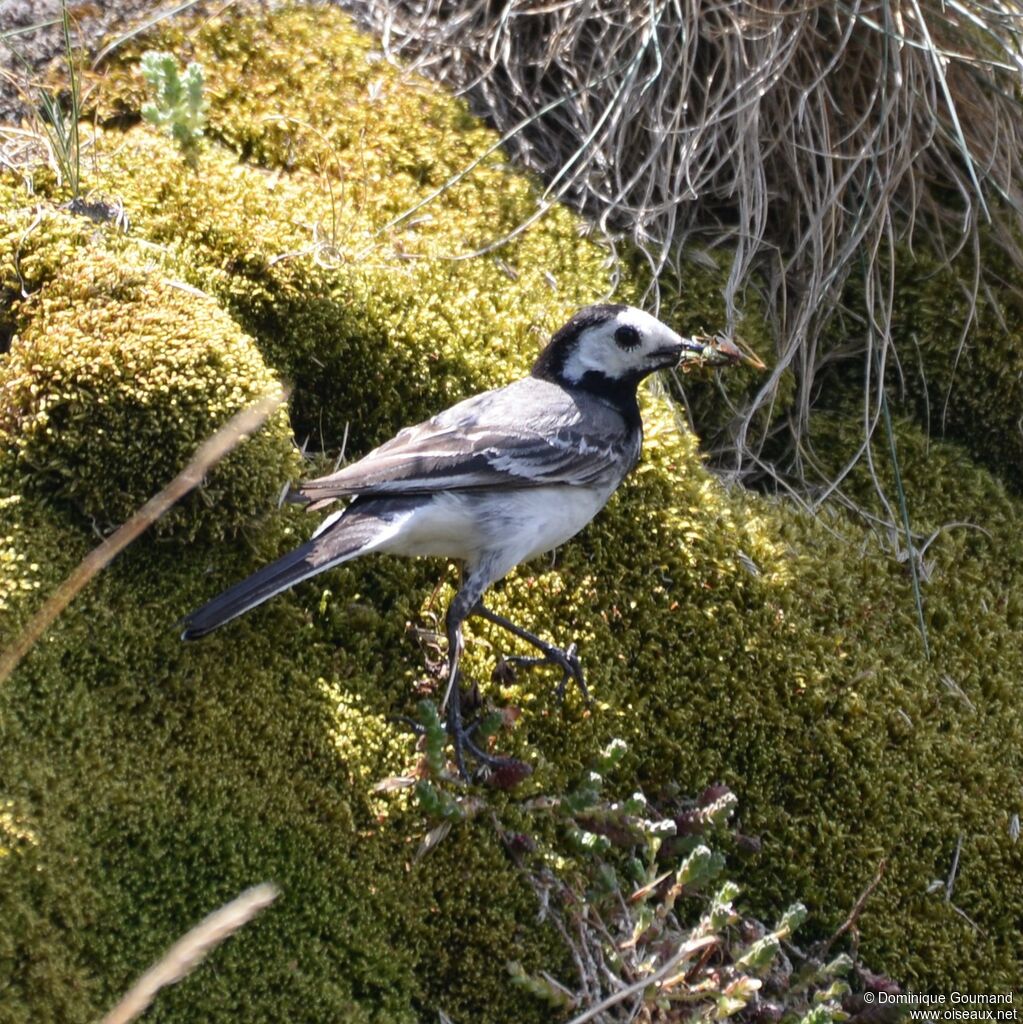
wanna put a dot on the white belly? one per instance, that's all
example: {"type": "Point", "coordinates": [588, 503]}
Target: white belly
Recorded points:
{"type": "Point", "coordinates": [548, 516]}
{"type": "Point", "coordinates": [506, 526]}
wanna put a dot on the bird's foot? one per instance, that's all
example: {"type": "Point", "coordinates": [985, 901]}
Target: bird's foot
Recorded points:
{"type": "Point", "coordinates": [461, 736]}
{"type": "Point", "coordinates": [468, 742]}
{"type": "Point", "coordinates": [564, 658]}
{"type": "Point", "coordinates": [495, 769]}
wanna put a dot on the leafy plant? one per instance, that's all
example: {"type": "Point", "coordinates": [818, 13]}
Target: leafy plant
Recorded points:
{"type": "Point", "coordinates": [179, 106]}
{"type": "Point", "coordinates": [638, 896]}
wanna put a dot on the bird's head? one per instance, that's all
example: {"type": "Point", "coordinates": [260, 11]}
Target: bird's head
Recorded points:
{"type": "Point", "coordinates": [611, 347]}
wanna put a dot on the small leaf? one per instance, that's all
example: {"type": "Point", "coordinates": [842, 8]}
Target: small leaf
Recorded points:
{"type": "Point", "coordinates": [760, 955]}
{"type": "Point", "coordinates": [394, 783]}
{"type": "Point", "coordinates": [432, 838]}
{"type": "Point", "coordinates": [700, 866]}
{"type": "Point", "coordinates": [791, 920]}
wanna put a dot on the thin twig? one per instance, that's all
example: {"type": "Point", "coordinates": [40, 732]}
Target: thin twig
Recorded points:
{"type": "Point", "coordinates": [913, 555]}
{"type": "Point", "coordinates": [209, 453]}
{"type": "Point", "coordinates": [683, 953]}
{"type": "Point", "coordinates": [854, 914]}
{"type": "Point", "coordinates": [953, 871]}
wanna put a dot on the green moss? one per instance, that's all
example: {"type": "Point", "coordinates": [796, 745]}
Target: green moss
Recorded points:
{"type": "Point", "coordinates": [344, 299]}
{"type": "Point", "coordinates": [115, 376]}
{"type": "Point", "coordinates": [19, 574]}
{"type": "Point", "coordinates": [389, 314]}
{"type": "Point", "coordinates": [724, 636]}
{"type": "Point", "coordinates": [955, 718]}
{"type": "Point", "coordinates": [278, 84]}
{"type": "Point", "coordinates": [960, 357]}
{"type": "Point", "coordinates": [209, 787]}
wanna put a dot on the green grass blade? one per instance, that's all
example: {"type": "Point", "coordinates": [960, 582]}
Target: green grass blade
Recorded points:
{"type": "Point", "coordinates": [904, 511]}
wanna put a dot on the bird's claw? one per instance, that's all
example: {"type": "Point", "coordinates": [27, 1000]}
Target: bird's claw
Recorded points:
{"type": "Point", "coordinates": [417, 728]}
{"type": "Point", "coordinates": [460, 735]}
{"type": "Point", "coordinates": [500, 769]}
{"type": "Point", "coordinates": [497, 770]}
{"type": "Point", "coordinates": [566, 659]}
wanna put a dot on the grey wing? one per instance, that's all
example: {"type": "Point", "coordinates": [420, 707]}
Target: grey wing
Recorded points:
{"type": "Point", "coordinates": [529, 434]}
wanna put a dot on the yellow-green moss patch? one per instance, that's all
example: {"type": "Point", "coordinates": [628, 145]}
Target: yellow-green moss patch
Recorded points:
{"type": "Point", "coordinates": [115, 376]}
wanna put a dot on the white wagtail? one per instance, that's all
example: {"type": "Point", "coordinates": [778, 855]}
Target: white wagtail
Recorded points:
{"type": "Point", "coordinates": [495, 480]}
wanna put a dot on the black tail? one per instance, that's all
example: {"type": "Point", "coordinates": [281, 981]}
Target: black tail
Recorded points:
{"type": "Point", "coordinates": [342, 538]}
{"type": "Point", "coordinates": [259, 587]}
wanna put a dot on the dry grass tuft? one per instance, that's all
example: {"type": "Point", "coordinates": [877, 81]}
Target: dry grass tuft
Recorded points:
{"type": "Point", "coordinates": [807, 138]}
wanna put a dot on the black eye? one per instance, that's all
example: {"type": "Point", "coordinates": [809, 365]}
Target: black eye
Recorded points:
{"type": "Point", "coordinates": [626, 337]}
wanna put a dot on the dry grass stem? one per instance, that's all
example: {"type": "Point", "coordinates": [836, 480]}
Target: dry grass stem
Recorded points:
{"type": "Point", "coordinates": [850, 922]}
{"type": "Point", "coordinates": [807, 139]}
{"type": "Point", "coordinates": [685, 952]}
{"type": "Point", "coordinates": [209, 453]}
{"type": "Point", "coordinates": [189, 951]}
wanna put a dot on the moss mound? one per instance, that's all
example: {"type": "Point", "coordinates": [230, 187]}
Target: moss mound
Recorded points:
{"type": "Point", "coordinates": [116, 374]}
{"type": "Point", "coordinates": [725, 636]}
{"type": "Point", "coordinates": [350, 285]}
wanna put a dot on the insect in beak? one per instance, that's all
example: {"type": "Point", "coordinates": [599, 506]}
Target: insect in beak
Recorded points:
{"type": "Point", "coordinates": [717, 350]}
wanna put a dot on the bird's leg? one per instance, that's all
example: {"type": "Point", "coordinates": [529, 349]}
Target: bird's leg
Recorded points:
{"type": "Point", "coordinates": [461, 734]}
{"type": "Point", "coordinates": [452, 695]}
{"type": "Point", "coordinates": [566, 659]}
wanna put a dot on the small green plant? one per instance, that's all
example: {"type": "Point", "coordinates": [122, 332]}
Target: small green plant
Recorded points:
{"type": "Point", "coordinates": [638, 896]}
{"type": "Point", "coordinates": [62, 125]}
{"type": "Point", "coordinates": [179, 106]}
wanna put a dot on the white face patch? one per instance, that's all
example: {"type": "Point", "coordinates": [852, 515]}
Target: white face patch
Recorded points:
{"type": "Point", "coordinates": [597, 350]}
